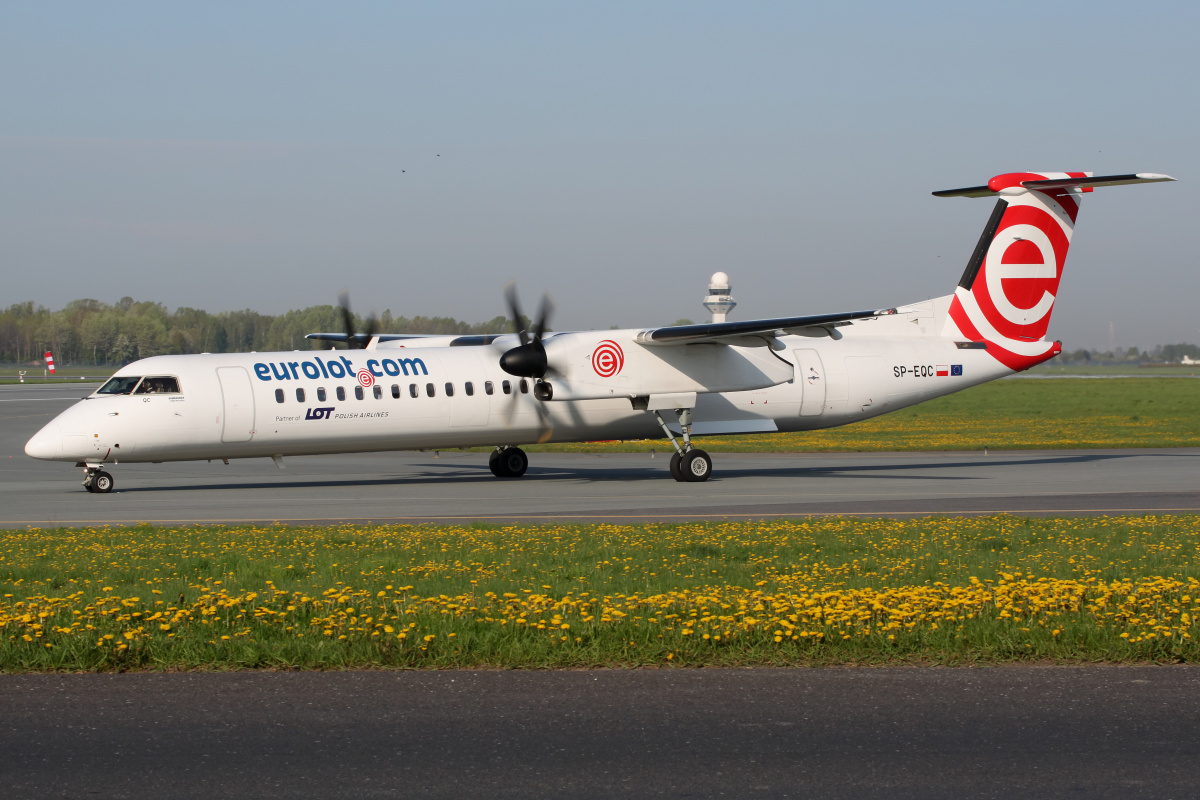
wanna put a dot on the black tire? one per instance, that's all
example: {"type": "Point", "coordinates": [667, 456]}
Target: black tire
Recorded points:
{"type": "Point", "coordinates": [102, 483]}
{"type": "Point", "coordinates": [696, 466]}
{"type": "Point", "coordinates": [87, 484]}
{"type": "Point", "coordinates": [510, 462]}
{"type": "Point", "coordinates": [676, 467]}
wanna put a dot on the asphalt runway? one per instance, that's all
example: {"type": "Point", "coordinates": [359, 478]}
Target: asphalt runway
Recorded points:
{"type": "Point", "coordinates": [457, 486]}
{"type": "Point", "coordinates": [1095, 732]}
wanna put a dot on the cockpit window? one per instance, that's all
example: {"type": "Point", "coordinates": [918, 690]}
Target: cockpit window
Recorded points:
{"type": "Point", "coordinates": [121, 385]}
{"type": "Point", "coordinates": [159, 384]}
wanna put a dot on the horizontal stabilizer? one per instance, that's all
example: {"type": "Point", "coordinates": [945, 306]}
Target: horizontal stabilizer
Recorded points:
{"type": "Point", "coordinates": [723, 331]}
{"type": "Point", "coordinates": [1002, 184]}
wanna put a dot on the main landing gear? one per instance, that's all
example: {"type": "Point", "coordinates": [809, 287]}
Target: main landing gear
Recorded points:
{"type": "Point", "coordinates": [508, 462]}
{"type": "Point", "coordinates": [97, 481]}
{"type": "Point", "coordinates": [688, 464]}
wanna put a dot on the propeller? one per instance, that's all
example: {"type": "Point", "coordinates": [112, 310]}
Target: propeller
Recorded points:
{"type": "Point", "coordinates": [528, 359]}
{"type": "Point", "coordinates": [352, 339]}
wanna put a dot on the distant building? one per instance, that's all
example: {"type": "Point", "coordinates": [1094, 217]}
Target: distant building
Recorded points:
{"type": "Point", "coordinates": [719, 302]}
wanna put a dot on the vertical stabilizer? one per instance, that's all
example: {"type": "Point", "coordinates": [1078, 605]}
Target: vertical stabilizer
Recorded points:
{"type": "Point", "coordinates": [1007, 292]}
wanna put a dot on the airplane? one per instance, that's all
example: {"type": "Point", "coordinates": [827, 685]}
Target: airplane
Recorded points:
{"type": "Point", "coordinates": [388, 392]}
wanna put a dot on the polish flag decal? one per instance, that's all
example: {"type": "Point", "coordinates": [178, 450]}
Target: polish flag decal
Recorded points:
{"type": "Point", "coordinates": [943, 370]}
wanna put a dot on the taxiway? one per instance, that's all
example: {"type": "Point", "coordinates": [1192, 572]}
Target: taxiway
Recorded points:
{"type": "Point", "coordinates": [457, 486]}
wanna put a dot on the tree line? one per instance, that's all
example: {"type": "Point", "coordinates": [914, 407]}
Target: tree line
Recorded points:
{"type": "Point", "coordinates": [89, 332]}
{"type": "Point", "coordinates": [1159, 354]}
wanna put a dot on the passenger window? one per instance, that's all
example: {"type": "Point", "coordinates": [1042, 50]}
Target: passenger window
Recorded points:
{"type": "Point", "coordinates": [429, 389]}
{"type": "Point", "coordinates": [469, 388]}
{"type": "Point", "coordinates": [395, 391]}
{"type": "Point", "coordinates": [299, 395]}
{"type": "Point", "coordinates": [488, 388]}
{"type": "Point", "coordinates": [321, 394]}
{"type": "Point", "coordinates": [279, 395]}
{"type": "Point", "coordinates": [507, 387]}
{"type": "Point", "coordinates": [449, 390]}
{"type": "Point", "coordinates": [378, 392]}
{"type": "Point", "coordinates": [159, 385]}
{"type": "Point", "coordinates": [524, 386]}
{"type": "Point", "coordinates": [341, 393]}
{"type": "Point", "coordinates": [413, 391]}
{"type": "Point", "coordinates": [358, 393]}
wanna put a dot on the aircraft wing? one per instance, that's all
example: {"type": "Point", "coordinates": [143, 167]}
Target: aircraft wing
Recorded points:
{"type": "Point", "coordinates": [364, 338]}
{"type": "Point", "coordinates": [466, 340]}
{"type": "Point", "coordinates": [730, 332]}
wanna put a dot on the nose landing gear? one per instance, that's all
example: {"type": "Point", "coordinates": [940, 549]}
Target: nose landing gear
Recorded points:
{"type": "Point", "coordinates": [97, 481]}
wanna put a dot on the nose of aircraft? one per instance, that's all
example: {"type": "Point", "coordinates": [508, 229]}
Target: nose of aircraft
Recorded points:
{"type": "Point", "coordinates": [46, 443]}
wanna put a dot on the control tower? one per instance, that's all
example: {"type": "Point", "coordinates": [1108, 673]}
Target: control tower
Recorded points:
{"type": "Point", "coordinates": [719, 301]}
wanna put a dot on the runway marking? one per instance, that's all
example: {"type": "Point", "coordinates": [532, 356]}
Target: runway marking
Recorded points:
{"type": "Point", "coordinates": [40, 399]}
{"type": "Point", "coordinates": [714, 517]}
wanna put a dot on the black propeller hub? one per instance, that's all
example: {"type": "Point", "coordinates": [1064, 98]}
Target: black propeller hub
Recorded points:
{"type": "Point", "coordinates": [525, 361]}
{"type": "Point", "coordinates": [528, 359]}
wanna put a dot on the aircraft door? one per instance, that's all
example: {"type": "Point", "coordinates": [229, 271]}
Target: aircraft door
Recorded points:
{"type": "Point", "coordinates": [238, 395]}
{"type": "Point", "coordinates": [810, 374]}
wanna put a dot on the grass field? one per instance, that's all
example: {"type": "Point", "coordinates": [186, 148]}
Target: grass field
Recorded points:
{"type": "Point", "coordinates": [69, 375]}
{"type": "Point", "coordinates": [838, 590]}
{"type": "Point", "coordinates": [1022, 414]}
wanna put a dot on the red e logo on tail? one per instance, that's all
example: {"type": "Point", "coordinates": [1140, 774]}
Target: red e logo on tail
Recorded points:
{"type": "Point", "coordinates": [1021, 272]}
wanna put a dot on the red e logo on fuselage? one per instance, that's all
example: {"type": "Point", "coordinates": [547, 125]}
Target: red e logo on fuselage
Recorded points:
{"type": "Point", "coordinates": [607, 358]}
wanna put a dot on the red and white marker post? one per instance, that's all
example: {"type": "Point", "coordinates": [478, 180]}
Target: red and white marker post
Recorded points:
{"type": "Point", "coordinates": [49, 362]}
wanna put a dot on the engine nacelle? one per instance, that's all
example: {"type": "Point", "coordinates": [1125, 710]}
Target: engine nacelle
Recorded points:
{"type": "Point", "coordinates": [606, 364]}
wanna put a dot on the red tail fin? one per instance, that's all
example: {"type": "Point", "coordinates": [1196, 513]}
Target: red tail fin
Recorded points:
{"type": "Point", "coordinates": [1008, 290]}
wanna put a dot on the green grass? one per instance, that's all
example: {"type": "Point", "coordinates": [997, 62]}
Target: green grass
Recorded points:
{"type": "Point", "coordinates": [34, 374]}
{"type": "Point", "coordinates": [826, 591]}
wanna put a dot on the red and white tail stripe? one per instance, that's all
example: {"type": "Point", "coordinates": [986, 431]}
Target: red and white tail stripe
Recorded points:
{"type": "Point", "coordinates": [50, 361]}
{"type": "Point", "coordinates": [1008, 289]}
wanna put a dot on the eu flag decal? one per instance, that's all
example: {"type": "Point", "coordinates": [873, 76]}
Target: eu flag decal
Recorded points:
{"type": "Point", "coordinates": [955, 369]}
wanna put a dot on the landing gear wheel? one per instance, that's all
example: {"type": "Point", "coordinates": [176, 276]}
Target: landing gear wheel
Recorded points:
{"type": "Point", "coordinates": [87, 484]}
{"type": "Point", "coordinates": [676, 467]}
{"type": "Point", "coordinates": [511, 462]}
{"type": "Point", "coordinates": [696, 466]}
{"type": "Point", "coordinates": [102, 483]}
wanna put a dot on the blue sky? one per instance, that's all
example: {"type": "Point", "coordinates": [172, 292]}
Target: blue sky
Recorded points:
{"type": "Point", "coordinates": [268, 155]}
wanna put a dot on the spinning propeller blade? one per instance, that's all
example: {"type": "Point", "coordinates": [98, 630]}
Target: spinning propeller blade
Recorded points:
{"type": "Point", "coordinates": [354, 340]}
{"type": "Point", "coordinates": [528, 359]}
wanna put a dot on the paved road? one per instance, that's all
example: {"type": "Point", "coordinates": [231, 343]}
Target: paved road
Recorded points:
{"type": "Point", "coordinates": [1095, 732]}
{"type": "Point", "coordinates": [458, 486]}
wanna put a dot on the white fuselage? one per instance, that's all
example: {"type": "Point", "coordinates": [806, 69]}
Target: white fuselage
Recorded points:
{"type": "Point", "coordinates": [245, 405]}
